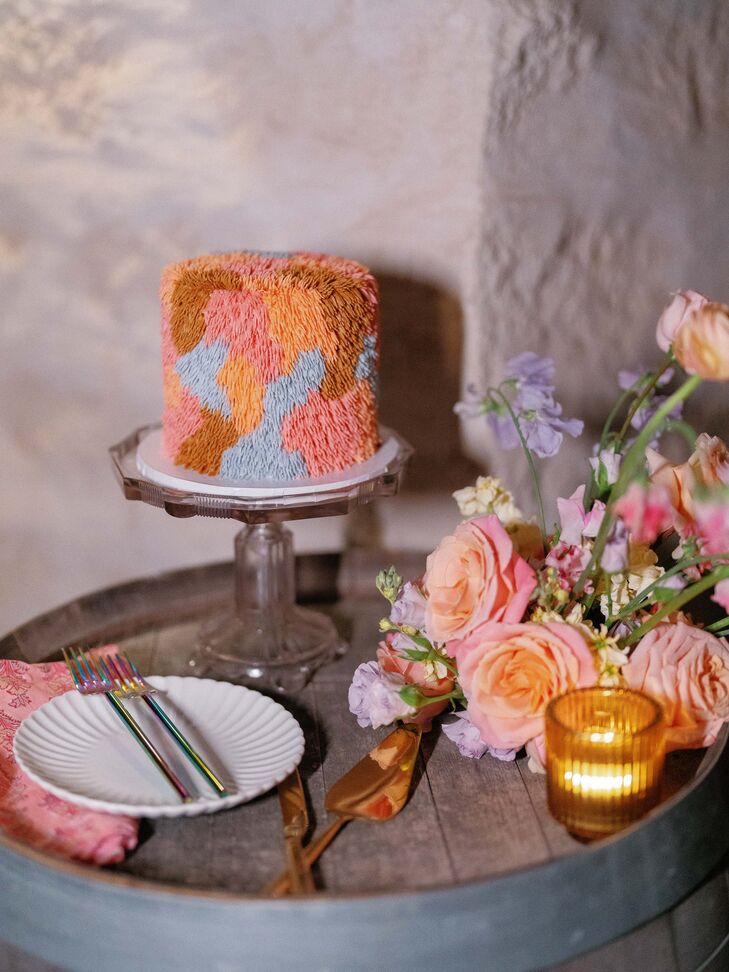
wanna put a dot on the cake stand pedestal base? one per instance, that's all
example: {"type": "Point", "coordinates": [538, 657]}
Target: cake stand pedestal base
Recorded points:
{"type": "Point", "coordinates": [267, 639]}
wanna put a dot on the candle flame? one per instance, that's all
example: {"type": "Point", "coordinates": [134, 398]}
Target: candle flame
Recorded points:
{"type": "Point", "coordinates": [599, 784]}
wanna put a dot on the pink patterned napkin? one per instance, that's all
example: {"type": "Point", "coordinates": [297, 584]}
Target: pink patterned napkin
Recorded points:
{"type": "Point", "coordinates": [29, 812]}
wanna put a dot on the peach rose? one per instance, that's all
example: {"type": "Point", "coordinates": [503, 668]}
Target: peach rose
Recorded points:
{"type": "Point", "coordinates": [709, 462]}
{"type": "Point", "coordinates": [474, 576]}
{"type": "Point", "coordinates": [701, 345]}
{"type": "Point", "coordinates": [684, 303]}
{"type": "Point", "coordinates": [687, 670]}
{"type": "Point", "coordinates": [707, 466]}
{"type": "Point", "coordinates": [509, 673]}
{"type": "Point", "coordinates": [678, 481]}
{"type": "Point", "coordinates": [428, 680]}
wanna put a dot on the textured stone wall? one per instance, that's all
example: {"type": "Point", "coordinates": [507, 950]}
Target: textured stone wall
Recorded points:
{"type": "Point", "coordinates": [604, 188]}
{"type": "Point", "coordinates": [521, 174]}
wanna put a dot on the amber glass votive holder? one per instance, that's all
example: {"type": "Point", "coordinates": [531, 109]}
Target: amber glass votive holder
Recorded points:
{"type": "Point", "coordinates": [605, 752]}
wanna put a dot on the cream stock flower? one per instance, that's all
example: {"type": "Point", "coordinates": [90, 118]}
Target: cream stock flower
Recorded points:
{"type": "Point", "coordinates": [488, 496]}
{"type": "Point", "coordinates": [642, 571]}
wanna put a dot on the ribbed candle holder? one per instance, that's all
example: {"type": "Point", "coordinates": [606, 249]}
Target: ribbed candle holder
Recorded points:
{"type": "Point", "coordinates": [605, 753]}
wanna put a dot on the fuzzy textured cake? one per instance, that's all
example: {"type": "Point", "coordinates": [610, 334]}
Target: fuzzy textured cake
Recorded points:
{"type": "Point", "coordinates": [270, 364]}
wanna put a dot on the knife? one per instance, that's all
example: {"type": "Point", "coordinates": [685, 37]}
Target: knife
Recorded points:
{"type": "Point", "coordinates": [295, 817]}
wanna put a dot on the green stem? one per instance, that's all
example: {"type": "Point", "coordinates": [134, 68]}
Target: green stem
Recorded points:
{"type": "Point", "coordinates": [688, 594]}
{"type": "Point", "coordinates": [718, 626]}
{"type": "Point", "coordinates": [631, 463]}
{"type": "Point", "coordinates": [642, 596]}
{"type": "Point", "coordinates": [621, 400]}
{"type": "Point", "coordinates": [684, 429]}
{"type": "Point", "coordinates": [636, 454]}
{"type": "Point", "coordinates": [424, 699]}
{"type": "Point", "coordinates": [612, 414]}
{"type": "Point", "coordinates": [642, 397]}
{"type": "Point", "coordinates": [530, 461]}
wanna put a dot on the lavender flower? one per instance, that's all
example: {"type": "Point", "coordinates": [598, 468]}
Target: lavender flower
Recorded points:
{"type": "Point", "coordinates": [374, 697]}
{"type": "Point", "coordinates": [648, 409]}
{"type": "Point", "coordinates": [667, 587]}
{"type": "Point", "coordinates": [468, 739]}
{"type": "Point", "coordinates": [638, 381]}
{"type": "Point", "coordinates": [472, 405]}
{"type": "Point", "coordinates": [615, 555]}
{"type": "Point", "coordinates": [529, 390]}
{"type": "Point", "coordinates": [409, 607]}
{"type": "Point", "coordinates": [544, 429]}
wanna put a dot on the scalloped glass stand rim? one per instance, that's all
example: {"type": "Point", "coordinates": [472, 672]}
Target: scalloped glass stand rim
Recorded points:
{"type": "Point", "coordinates": [325, 497]}
{"type": "Point", "coordinates": [266, 639]}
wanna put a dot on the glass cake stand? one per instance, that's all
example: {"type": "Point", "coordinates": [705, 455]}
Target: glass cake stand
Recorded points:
{"type": "Point", "coordinates": [266, 639]}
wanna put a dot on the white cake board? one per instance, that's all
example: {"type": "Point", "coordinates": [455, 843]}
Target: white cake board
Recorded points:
{"type": "Point", "coordinates": [153, 464]}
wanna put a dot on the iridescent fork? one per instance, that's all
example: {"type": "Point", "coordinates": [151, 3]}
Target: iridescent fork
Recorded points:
{"type": "Point", "coordinates": [91, 676]}
{"type": "Point", "coordinates": [128, 682]}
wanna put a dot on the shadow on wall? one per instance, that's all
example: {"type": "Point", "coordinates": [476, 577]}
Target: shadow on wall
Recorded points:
{"type": "Point", "coordinates": [421, 353]}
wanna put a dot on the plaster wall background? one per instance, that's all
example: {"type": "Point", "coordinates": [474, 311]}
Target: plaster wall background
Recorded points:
{"type": "Point", "coordinates": [526, 174]}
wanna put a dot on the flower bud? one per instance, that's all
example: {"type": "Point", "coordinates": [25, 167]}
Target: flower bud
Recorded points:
{"type": "Point", "coordinates": [702, 343]}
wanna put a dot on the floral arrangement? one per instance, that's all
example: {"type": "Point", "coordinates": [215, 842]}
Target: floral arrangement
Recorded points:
{"type": "Point", "coordinates": [509, 614]}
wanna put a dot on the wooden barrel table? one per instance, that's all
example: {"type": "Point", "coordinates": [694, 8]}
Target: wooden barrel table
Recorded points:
{"type": "Point", "coordinates": [473, 874]}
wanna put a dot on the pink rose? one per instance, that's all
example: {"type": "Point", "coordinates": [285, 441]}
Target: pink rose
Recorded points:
{"type": "Point", "coordinates": [509, 673]}
{"type": "Point", "coordinates": [684, 303]}
{"type": "Point", "coordinates": [415, 673]}
{"type": "Point", "coordinates": [687, 670]}
{"type": "Point", "coordinates": [711, 525]}
{"type": "Point", "coordinates": [475, 576]}
{"type": "Point", "coordinates": [701, 345]}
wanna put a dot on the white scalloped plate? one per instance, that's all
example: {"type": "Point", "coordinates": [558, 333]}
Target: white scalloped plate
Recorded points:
{"type": "Point", "coordinates": [77, 748]}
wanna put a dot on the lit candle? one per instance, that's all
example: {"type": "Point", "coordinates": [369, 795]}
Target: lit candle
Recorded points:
{"type": "Point", "coordinates": [605, 751]}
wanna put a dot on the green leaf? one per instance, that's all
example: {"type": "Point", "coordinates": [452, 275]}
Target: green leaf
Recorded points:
{"type": "Point", "coordinates": [415, 654]}
{"type": "Point", "coordinates": [412, 696]}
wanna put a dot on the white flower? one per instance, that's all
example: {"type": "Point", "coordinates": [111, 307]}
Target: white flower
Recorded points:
{"type": "Point", "coordinates": [488, 496]}
{"type": "Point", "coordinates": [610, 657]}
{"type": "Point", "coordinates": [642, 571]}
{"type": "Point", "coordinates": [606, 466]}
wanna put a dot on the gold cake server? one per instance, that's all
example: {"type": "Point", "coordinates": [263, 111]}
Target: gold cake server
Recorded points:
{"type": "Point", "coordinates": [376, 789]}
{"type": "Point", "coordinates": [295, 817]}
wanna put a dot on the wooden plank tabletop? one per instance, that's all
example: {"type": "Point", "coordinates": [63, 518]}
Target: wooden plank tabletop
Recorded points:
{"type": "Point", "coordinates": [467, 820]}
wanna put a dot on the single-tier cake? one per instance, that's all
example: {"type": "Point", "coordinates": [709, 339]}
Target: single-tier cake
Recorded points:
{"type": "Point", "coordinates": [270, 364]}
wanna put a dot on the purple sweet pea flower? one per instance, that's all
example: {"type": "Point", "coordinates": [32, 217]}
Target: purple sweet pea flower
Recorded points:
{"type": "Point", "coordinates": [648, 409]}
{"type": "Point", "coordinates": [615, 555]}
{"type": "Point", "coordinates": [374, 696]}
{"type": "Point", "coordinates": [670, 585]}
{"type": "Point", "coordinates": [468, 739]}
{"type": "Point", "coordinates": [534, 377]}
{"type": "Point", "coordinates": [472, 405]}
{"type": "Point", "coordinates": [529, 390]}
{"type": "Point", "coordinates": [409, 607]}
{"type": "Point", "coordinates": [638, 380]}
{"type": "Point", "coordinates": [627, 379]}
